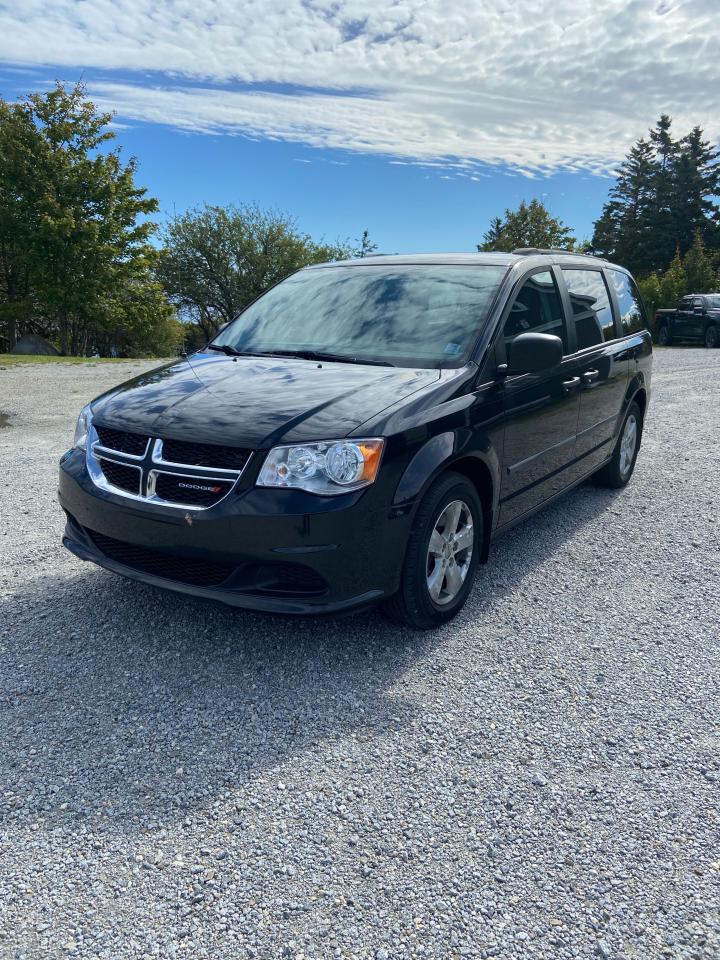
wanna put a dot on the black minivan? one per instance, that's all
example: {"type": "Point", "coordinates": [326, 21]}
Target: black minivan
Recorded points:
{"type": "Point", "coordinates": [363, 431]}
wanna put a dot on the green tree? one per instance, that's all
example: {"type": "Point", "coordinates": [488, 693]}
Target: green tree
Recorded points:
{"type": "Point", "coordinates": [700, 273]}
{"type": "Point", "coordinates": [696, 180]}
{"type": "Point", "coordinates": [217, 260]}
{"type": "Point", "coordinates": [673, 283]}
{"type": "Point", "coordinates": [664, 194]}
{"type": "Point", "coordinates": [659, 240]}
{"type": "Point", "coordinates": [82, 255]}
{"type": "Point", "coordinates": [365, 246]}
{"type": "Point", "coordinates": [650, 288]}
{"type": "Point", "coordinates": [624, 221]}
{"type": "Point", "coordinates": [529, 226]}
{"type": "Point", "coordinates": [17, 188]}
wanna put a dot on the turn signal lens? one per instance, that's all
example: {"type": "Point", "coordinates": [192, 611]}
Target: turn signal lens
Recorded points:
{"type": "Point", "coordinates": [327, 467]}
{"type": "Point", "coordinates": [371, 451]}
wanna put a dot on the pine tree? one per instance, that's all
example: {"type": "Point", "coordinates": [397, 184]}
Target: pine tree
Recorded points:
{"type": "Point", "coordinates": [365, 246]}
{"type": "Point", "coordinates": [625, 219]}
{"type": "Point", "coordinates": [696, 180]}
{"type": "Point", "coordinates": [665, 192]}
{"type": "Point", "coordinates": [699, 270]}
{"type": "Point", "coordinates": [493, 239]}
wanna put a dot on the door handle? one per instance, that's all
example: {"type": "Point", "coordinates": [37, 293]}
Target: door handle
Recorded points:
{"type": "Point", "coordinates": [590, 376]}
{"type": "Point", "coordinates": [568, 385]}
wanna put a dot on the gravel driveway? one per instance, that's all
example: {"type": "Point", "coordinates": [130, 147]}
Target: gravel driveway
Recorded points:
{"type": "Point", "coordinates": [540, 778]}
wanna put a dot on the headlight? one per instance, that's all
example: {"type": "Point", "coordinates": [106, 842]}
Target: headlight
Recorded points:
{"type": "Point", "coordinates": [82, 428]}
{"type": "Point", "coordinates": [327, 468]}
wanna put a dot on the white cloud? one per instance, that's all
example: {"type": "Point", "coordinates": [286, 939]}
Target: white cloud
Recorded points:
{"type": "Point", "coordinates": [534, 84]}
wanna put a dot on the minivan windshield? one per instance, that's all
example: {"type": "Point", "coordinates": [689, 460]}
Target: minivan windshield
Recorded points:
{"type": "Point", "coordinates": [406, 315]}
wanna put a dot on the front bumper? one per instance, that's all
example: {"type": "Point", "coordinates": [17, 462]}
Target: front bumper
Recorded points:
{"type": "Point", "coordinates": [343, 552]}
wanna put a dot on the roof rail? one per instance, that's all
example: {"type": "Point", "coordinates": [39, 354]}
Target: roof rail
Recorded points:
{"type": "Point", "coordinates": [534, 251]}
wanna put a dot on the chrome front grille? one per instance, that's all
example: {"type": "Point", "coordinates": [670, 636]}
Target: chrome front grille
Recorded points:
{"type": "Point", "coordinates": [122, 441]}
{"type": "Point", "coordinates": [203, 455]}
{"type": "Point", "coordinates": [124, 476]}
{"type": "Point", "coordinates": [140, 467]}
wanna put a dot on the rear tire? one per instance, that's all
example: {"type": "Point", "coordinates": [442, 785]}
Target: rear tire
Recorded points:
{"type": "Point", "coordinates": [664, 336]}
{"type": "Point", "coordinates": [712, 337]}
{"type": "Point", "coordinates": [442, 555]}
{"type": "Point", "coordinates": [617, 471]}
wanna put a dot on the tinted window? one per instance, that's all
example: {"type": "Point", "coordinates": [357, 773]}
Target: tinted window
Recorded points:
{"type": "Point", "coordinates": [591, 307]}
{"type": "Point", "coordinates": [419, 316]}
{"type": "Point", "coordinates": [537, 308]}
{"type": "Point", "coordinates": [632, 314]}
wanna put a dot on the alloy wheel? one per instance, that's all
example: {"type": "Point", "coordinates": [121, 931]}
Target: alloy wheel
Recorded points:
{"type": "Point", "coordinates": [628, 444]}
{"type": "Point", "coordinates": [449, 552]}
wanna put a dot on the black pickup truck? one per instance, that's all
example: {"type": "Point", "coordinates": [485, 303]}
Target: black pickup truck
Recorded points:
{"type": "Point", "coordinates": [696, 318]}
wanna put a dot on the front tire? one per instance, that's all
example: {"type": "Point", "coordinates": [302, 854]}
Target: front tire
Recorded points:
{"type": "Point", "coordinates": [712, 337]}
{"type": "Point", "coordinates": [617, 471]}
{"type": "Point", "coordinates": [442, 555]}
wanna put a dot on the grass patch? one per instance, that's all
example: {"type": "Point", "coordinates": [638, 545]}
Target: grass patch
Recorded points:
{"type": "Point", "coordinates": [13, 359]}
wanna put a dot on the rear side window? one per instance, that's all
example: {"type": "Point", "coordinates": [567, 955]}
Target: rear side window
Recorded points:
{"type": "Point", "coordinates": [537, 309]}
{"type": "Point", "coordinates": [632, 314]}
{"type": "Point", "coordinates": [592, 313]}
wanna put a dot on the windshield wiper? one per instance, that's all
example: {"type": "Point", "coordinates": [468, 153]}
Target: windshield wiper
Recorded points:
{"type": "Point", "coordinates": [301, 354]}
{"type": "Point", "coordinates": [226, 349]}
{"type": "Point", "coordinates": [232, 352]}
{"type": "Point", "coordinates": [330, 357]}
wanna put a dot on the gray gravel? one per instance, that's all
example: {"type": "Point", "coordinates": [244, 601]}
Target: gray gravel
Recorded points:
{"type": "Point", "coordinates": [541, 778]}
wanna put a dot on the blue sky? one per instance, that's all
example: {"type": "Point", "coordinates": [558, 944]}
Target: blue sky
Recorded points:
{"type": "Point", "coordinates": [418, 119]}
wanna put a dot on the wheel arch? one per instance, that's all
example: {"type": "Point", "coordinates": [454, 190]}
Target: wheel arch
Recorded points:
{"type": "Point", "coordinates": [640, 398]}
{"type": "Point", "coordinates": [444, 453]}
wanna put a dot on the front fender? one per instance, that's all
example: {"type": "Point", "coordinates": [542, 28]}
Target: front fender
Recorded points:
{"type": "Point", "coordinates": [462, 449]}
{"type": "Point", "coordinates": [423, 466]}
{"type": "Point", "coordinates": [453, 450]}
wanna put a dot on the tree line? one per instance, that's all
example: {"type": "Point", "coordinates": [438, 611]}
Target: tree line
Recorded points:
{"type": "Point", "coordinates": [661, 220]}
{"type": "Point", "coordinates": [84, 265]}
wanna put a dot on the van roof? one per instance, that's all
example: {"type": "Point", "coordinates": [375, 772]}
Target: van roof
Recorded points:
{"type": "Point", "coordinates": [523, 255]}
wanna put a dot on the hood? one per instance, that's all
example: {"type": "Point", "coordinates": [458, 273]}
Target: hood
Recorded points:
{"type": "Point", "coordinates": [256, 401]}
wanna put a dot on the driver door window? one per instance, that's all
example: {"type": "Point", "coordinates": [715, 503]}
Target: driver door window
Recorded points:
{"type": "Point", "coordinates": [537, 309]}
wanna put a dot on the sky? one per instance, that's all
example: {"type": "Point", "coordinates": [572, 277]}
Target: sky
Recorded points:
{"type": "Point", "coordinates": [419, 120]}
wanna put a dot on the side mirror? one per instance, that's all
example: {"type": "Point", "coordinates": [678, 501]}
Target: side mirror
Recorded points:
{"type": "Point", "coordinates": [534, 352]}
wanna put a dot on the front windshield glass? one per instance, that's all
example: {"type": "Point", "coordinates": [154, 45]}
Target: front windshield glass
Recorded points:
{"type": "Point", "coordinates": [713, 302]}
{"type": "Point", "coordinates": [418, 316]}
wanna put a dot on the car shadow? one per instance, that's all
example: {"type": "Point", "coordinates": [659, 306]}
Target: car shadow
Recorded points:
{"type": "Point", "coordinates": [127, 703]}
